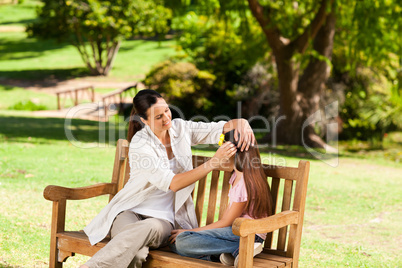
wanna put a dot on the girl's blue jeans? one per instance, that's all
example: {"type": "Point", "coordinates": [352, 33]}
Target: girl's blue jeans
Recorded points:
{"type": "Point", "coordinates": [208, 244]}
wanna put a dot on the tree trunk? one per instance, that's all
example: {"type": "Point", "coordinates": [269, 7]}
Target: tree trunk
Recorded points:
{"type": "Point", "coordinates": [111, 55]}
{"type": "Point", "coordinates": [312, 83]}
{"type": "Point", "coordinates": [288, 126]}
{"type": "Point", "coordinates": [300, 98]}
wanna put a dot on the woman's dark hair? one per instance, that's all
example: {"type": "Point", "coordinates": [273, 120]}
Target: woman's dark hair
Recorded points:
{"type": "Point", "coordinates": [141, 103]}
{"type": "Point", "coordinates": [259, 198]}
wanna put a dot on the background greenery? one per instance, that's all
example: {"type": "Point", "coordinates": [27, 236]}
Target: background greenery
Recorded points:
{"type": "Point", "coordinates": [353, 210]}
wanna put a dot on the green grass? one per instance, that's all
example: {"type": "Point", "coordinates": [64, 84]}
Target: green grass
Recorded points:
{"type": "Point", "coordinates": [19, 14]}
{"type": "Point", "coordinates": [10, 96]}
{"type": "Point", "coordinates": [29, 58]}
{"type": "Point", "coordinates": [352, 213]}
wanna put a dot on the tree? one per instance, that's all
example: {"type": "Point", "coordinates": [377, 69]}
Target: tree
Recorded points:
{"type": "Point", "coordinates": [367, 32]}
{"type": "Point", "coordinates": [301, 36]}
{"type": "Point", "coordinates": [309, 22]}
{"type": "Point", "coordinates": [97, 27]}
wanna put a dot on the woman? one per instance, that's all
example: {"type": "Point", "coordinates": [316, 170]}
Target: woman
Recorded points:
{"type": "Point", "coordinates": [249, 196]}
{"type": "Point", "coordinates": [157, 197]}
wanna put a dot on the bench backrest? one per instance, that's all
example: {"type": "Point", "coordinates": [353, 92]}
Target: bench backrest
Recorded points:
{"type": "Point", "coordinates": [288, 188]}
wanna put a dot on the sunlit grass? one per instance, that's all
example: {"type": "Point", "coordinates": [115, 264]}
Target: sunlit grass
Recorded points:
{"type": "Point", "coordinates": [30, 58]}
{"type": "Point", "coordinates": [18, 14]}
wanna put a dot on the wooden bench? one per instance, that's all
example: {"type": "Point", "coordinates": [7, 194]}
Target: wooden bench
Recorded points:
{"type": "Point", "coordinates": [74, 95]}
{"type": "Point", "coordinates": [111, 97]}
{"type": "Point", "coordinates": [281, 248]}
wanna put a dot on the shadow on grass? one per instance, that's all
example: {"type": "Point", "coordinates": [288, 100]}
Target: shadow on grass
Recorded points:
{"type": "Point", "coordinates": [46, 74]}
{"type": "Point", "coordinates": [21, 47]}
{"type": "Point", "coordinates": [138, 42]}
{"type": "Point", "coordinates": [43, 130]}
{"type": "Point", "coordinates": [26, 21]}
{"type": "Point", "coordinates": [40, 130]}
{"type": "Point", "coordinates": [6, 87]}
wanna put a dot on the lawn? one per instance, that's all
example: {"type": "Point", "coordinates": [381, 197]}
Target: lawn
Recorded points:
{"type": "Point", "coordinates": [352, 215]}
{"type": "Point", "coordinates": [29, 58]}
{"type": "Point", "coordinates": [18, 15]}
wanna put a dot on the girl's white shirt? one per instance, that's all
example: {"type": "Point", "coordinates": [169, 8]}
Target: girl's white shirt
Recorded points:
{"type": "Point", "coordinates": [150, 171]}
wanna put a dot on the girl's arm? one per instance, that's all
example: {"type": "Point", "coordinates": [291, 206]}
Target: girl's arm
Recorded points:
{"type": "Point", "coordinates": [233, 212]}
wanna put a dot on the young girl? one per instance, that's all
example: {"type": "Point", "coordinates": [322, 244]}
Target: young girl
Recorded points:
{"type": "Point", "coordinates": [249, 196]}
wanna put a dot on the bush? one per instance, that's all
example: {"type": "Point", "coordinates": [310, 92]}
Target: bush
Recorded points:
{"type": "Point", "coordinates": [372, 106]}
{"type": "Point", "coordinates": [28, 106]}
{"type": "Point", "coordinates": [257, 91]}
{"type": "Point", "coordinates": [182, 83]}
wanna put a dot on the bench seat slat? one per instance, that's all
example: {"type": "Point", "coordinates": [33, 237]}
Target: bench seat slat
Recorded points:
{"type": "Point", "coordinates": [161, 258]}
{"type": "Point", "coordinates": [78, 242]}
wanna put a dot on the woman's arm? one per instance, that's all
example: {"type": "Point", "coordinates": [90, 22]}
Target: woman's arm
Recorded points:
{"type": "Point", "coordinates": [218, 161]}
{"type": "Point", "coordinates": [242, 127]}
{"type": "Point", "coordinates": [233, 212]}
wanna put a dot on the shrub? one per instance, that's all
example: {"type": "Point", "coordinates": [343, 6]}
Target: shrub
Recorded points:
{"type": "Point", "coordinates": [28, 106]}
{"type": "Point", "coordinates": [182, 83]}
{"type": "Point", "coordinates": [372, 106]}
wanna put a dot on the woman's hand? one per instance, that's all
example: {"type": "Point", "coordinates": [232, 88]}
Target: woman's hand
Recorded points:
{"type": "Point", "coordinates": [174, 234]}
{"type": "Point", "coordinates": [247, 137]}
{"type": "Point", "coordinates": [221, 159]}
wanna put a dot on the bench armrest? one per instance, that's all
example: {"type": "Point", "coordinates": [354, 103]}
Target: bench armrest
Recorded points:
{"type": "Point", "coordinates": [243, 226]}
{"type": "Point", "coordinates": [57, 193]}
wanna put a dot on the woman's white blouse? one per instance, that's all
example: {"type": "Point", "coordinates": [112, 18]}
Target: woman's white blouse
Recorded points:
{"type": "Point", "coordinates": [150, 171]}
{"type": "Point", "coordinates": [160, 204]}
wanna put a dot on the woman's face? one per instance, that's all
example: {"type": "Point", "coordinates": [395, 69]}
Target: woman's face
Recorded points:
{"type": "Point", "coordinates": [159, 117]}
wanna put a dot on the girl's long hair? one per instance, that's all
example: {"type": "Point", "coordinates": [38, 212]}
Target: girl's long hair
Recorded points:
{"type": "Point", "coordinates": [141, 103]}
{"type": "Point", "coordinates": [259, 198]}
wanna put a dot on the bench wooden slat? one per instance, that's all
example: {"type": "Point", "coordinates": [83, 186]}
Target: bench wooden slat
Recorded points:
{"type": "Point", "coordinates": [287, 197]}
{"type": "Point", "coordinates": [287, 173]}
{"type": "Point", "coordinates": [274, 193]}
{"type": "Point", "coordinates": [265, 263]}
{"type": "Point", "coordinates": [160, 258]}
{"type": "Point", "coordinates": [224, 194]}
{"type": "Point", "coordinates": [272, 257]}
{"type": "Point", "coordinates": [213, 194]}
{"type": "Point", "coordinates": [78, 242]}
{"type": "Point", "coordinates": [199, 205]}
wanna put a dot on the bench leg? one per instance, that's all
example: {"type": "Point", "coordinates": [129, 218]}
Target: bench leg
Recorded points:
{"type": "Point", "coordinates": [58, 219]}
{"type": "Point", "coordinates": [54, 262]}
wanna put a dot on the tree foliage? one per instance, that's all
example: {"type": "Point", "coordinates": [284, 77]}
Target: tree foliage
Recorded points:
{"type": "Point", "coordinates": [307, 39]}
{"type": "Point", "coordinates": [97, 27]}
{"type": "Point", "coordinates": [227, 46]}
{"type": "Point", "coordinates": [368, 60]}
